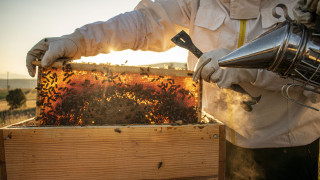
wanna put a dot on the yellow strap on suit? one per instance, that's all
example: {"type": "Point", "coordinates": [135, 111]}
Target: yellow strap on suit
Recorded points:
{"type": "Point", "coordinates": [242, 35]}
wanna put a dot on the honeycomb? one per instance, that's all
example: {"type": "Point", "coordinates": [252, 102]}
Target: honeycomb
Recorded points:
{"type": "Point", "coordinates": [86, 94]}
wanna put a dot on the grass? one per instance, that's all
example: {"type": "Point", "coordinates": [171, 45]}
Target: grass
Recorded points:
{"type": "Point", "coordinates": [8, 117]}
{"type": "Point", "coordinates": [3, 94]}
{"type": "Point", "coordinates": [26, 112]}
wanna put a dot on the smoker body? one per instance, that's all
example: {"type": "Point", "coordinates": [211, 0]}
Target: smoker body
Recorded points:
{"type": "Point", "coordinates": [289, 49]}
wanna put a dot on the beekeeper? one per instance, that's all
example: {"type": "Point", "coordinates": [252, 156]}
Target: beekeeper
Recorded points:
{"type": "Point", "coordinates": [278, 139]}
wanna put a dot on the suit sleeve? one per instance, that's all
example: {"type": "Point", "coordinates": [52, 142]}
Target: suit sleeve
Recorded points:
{"type": "Point", "coordinates": [149, 27]}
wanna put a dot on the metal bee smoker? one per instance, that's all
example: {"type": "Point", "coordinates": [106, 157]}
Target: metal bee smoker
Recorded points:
{"type": "Point", "coordinates": [289, 49]}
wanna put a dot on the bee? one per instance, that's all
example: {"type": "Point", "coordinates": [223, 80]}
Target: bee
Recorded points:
{"type": "Point", "coordinates": [39, 103]}
{"type": "Point", "coordinates": [117, 130]}
{"type": "Point", "coordinates": [144, 74]}
{"type": "Point", "coordinates": [160, 164]}
{"type": "Point", "coordinates": [68, 66]}
{"type": "Point", "coordinates": [54, 92]}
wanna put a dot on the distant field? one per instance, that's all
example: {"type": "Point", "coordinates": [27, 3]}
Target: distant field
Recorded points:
{"type": "Point", "coordinates": [3, 94]}
{"type": "Point", "coordinates": [18, 83]}
{"type": "Point", "coordinates": [28, 111]}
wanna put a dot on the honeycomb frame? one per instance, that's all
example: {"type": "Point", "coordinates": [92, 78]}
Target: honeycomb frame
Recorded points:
{"type": "Point", "coordinates": [115, 95]}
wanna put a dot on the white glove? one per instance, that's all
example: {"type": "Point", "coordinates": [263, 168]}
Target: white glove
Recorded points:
{"type": "Point", "coordinates": [303, 10]}
{"type": "Point", "coordinates": [208, 68]}
{"type": "Point", "coordinates": [48, 50]}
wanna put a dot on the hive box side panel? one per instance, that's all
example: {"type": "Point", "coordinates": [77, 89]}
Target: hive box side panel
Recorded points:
{"type": "Point", "coordinates": [3, 171]}
{"type": "Point", "coordinates": [132, 152]}
{"type": "Point", "coordinates": [222, 152]}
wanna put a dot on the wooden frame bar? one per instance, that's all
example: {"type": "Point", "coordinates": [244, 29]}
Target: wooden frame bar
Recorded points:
{"type": "Point", "coordinates": [118, 68]}
{"type": "Point", "coordinates": [113, 152]}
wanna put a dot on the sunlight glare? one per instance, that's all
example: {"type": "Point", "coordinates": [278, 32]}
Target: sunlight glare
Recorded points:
{"type": "Point", "coordinates": [135, 58]}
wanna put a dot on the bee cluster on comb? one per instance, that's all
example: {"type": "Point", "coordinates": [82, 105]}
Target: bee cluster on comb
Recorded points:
{"type": "Point", "coordinates": [91, 94]}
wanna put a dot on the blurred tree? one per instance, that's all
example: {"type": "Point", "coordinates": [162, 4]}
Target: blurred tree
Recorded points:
{"type": "Point", "coordinates": [16, 98]}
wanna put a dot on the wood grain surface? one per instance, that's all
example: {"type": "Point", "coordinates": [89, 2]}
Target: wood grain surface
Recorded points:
{"type": "Point", "coordinates": [113, 152]}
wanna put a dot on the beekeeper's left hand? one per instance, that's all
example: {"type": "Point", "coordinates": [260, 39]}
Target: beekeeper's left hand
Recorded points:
{"type": "Point", "coordinates": [304, 11]}
{"type": "Point", "coordinates": [312, 96]}
{"type": "Point", "coordinates": [208, 69]}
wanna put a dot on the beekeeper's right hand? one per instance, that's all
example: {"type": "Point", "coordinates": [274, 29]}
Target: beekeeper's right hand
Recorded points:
{"type": "Point", "coordinates": [208, 69]}
{"type": "Point", "coordinates": [48, 50]}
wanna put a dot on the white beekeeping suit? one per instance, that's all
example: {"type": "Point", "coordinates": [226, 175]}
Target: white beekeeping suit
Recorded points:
{"type": "Point", "coordinates": [273, 122]}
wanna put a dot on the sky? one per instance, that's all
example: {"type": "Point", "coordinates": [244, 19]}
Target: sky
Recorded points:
{"type": "Point", "coordinates": [25, 22]}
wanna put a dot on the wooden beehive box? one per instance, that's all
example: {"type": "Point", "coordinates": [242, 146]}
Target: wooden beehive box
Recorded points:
{"type": "Point", "coordinates": [137, 142]}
